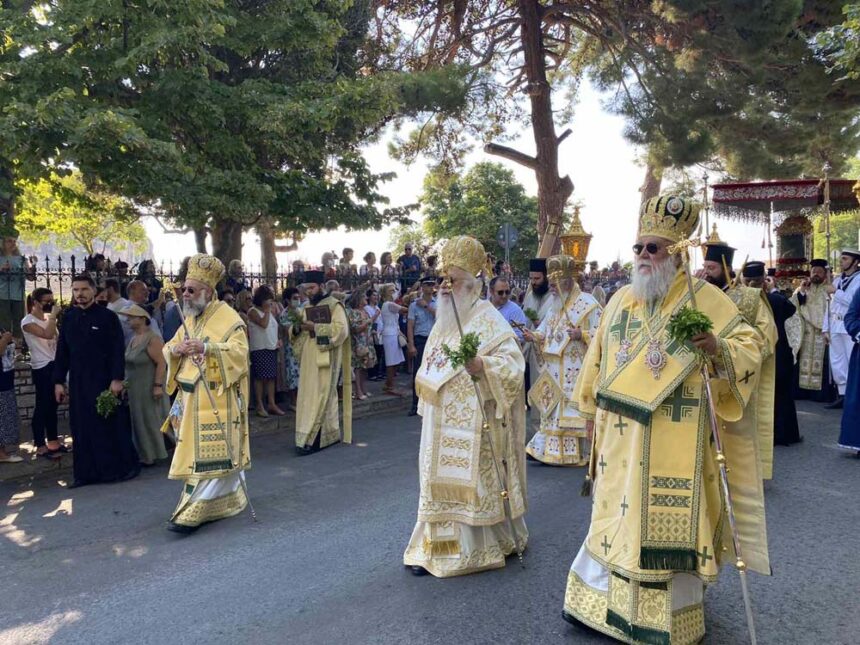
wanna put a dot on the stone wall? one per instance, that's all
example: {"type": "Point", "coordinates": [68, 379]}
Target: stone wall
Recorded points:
{"type": "Point", "coordinates": [26, 394]}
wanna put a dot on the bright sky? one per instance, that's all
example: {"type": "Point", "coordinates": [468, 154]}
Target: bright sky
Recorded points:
{"type": "Point", "coordinates": [601, 163]}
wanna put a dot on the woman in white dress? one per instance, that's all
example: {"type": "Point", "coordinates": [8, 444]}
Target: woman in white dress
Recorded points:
{"type": "Point", "coordinates": [391, 311]}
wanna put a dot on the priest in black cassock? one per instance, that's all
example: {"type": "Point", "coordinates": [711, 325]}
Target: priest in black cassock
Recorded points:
{"type": "Point", "coordinates": [785, 429]}
{"type": "Point", "coordinates": [91, 351]}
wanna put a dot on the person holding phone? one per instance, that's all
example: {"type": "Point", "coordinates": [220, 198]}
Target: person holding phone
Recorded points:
{"type": "Point", "coordinates": [40, 333]}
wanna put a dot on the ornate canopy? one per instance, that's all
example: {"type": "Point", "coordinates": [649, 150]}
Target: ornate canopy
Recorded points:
{"type": "Point", "coordinates": [752, 201]}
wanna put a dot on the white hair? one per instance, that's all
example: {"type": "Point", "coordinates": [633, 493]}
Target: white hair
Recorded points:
{"type": "Point", "coordinates": [198, 303]}
{"type": "Point", "coordinates": [464, 295]}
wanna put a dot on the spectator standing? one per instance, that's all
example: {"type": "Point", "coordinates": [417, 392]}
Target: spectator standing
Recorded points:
{"type": "Point", "coordinates": [369, 271]}
{"type": "Point", "coordinates": [10, 422]}
{"type": "Point", "coordinates": [500, 296]}
{"type": "Point", "coordinates": [387, 270]}
{"type": "Point", "coordinates": [138, 292]}
{"type": "Point", "coordinates": [244, 302]}
{"type": "Point", "coordinates": [146, 274]}
{"type": "Point", "coordinates": [345, 267]}
{"type": "Point", "coordinates": [14, 269]}
{"type": "Point", "coordinates": [236, 277]}
{"type": "Point", "coordinates": [363, 352]}
{"type": "Point", "coordinates": [263, 341]}
{"type": "Point", "coordinates": [292, 312]}
{"type": "Point", "coordinates": [431, 270]}
{"type": "Point", "coordinates": [172, 297]}
{"type": "Point", "coordinates": [40, 333]}
{"type": "Point", "coordinates": [372, 309]}
{"type": "Point", "coordinates": [391, 343]}
{"type": "Point", "coordinates": [421, 318]}
{"type": "Point", "coordinates": [120, 272]}
{"type": "Point", "coordinates": [91, 352]}
{"type": "Point", "coordinates": [145, 371]}
{"type": "Point", "coordinates": [410, 267]}
{"type": "Point", "coordinates": [116, 303]}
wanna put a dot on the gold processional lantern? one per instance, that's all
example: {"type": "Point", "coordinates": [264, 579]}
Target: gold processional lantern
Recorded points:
{"type": "Point", "coordinates": [575, 242]}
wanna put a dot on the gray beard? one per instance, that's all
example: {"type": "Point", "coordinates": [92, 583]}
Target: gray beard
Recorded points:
{"type": "Point", "coordinates": [195, 307]}
{"type": "Point", "coordinates": [653, 288]}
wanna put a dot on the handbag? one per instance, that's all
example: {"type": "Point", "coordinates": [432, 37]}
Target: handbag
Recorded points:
{"type": "Point", "coordinates": [401, 339]}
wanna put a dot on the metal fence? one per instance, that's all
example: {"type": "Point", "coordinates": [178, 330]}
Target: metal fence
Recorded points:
{"type": "Point", "coordinates": [56, 274]}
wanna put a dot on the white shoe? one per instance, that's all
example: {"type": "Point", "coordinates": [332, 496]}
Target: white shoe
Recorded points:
{"type": "Point", "coordinates": [11, 459]}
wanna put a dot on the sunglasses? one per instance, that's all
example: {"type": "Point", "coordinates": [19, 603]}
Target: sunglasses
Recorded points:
{"type": "Point", "coordinates": [651, 247]}
{"type": "Point", "coordinates": [503, 292]}
{"type": "Point", "coordinates": [190, 290]}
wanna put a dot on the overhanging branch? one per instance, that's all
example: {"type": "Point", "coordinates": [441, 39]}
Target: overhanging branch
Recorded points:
{"type": "Point", "coordinates": [513, 155]}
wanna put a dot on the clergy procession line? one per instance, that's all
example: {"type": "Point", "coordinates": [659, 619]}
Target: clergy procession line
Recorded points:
{"type": "Point", "coordinates": [654, 418]}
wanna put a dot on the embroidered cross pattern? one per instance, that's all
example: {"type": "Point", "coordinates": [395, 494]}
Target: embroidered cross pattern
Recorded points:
{"type": "Point", "coordinates": [703, 556]}
{"type": "Point", "coordinates": [602, 464]}
{"type": "Point", "coordinates": [623, 324]}
{"type": "Point", "coordinates": [680, 404]}
{"type": "Point", "coordinates": [620, 425]}
{"type": "Point", "coordinates": [676, 348]}
{"type": "Point", "coordinates": [624, 506]}
{"type": "Point", "coordinates": [606, 544]}
{"type": "Point", "coordinates": [746, 377]}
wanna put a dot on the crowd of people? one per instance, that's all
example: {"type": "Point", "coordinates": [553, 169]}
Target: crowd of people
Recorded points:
{"type": "Point", "coordinates": [610, 387]}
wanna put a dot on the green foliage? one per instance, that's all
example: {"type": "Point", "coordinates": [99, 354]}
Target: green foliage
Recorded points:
{"type": "Point", "coordinates": [65, 212]}
{"type": "Point", "coordinates": [531, 314]}
{"type": "Point", "coordinates": [841, 43]}
{"type": "Point", "coordinates": [208, 110]}
{"type": "Point", "coordinates": [407, 232]}
{"type": "Point", "coordinates": [477, 204]}
{"type": "Point", "coordinates": [688, 323]}
{"type": "Point", "coordinates": [843, 234]}
{"type": "Point", "coordinates": [748, 87]}
{"type": "Point", "coordinates": [107, 403]}
{"type": "Point", "coordinates": [465, 352]}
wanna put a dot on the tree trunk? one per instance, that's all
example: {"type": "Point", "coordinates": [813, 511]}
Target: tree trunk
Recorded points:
{"type": "Point", "coordinates": [653, 180]}
{"type": "Point", "coordinates": [267, 249]}
{"type": "Point", "coordinates": [200, 239]}
{"type": "Point", "coordinates": [227, 240]}
{"type": "Point", "coordinates": [553, 190]}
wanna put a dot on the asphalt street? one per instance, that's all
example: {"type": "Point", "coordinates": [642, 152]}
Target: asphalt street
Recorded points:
{"type": "Point", "coordinates": [324, 563]}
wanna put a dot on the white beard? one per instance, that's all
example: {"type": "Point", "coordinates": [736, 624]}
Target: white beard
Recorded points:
{"type": "Point", "coordinates": [445, 318]}
{"type": "Point", "coordinates": [653, 287]}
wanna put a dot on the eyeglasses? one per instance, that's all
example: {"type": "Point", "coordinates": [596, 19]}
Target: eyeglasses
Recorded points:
{"type": "Point", "coordinates": [503, 292]}
{"type": "Point", "coordinates": [651, 247]}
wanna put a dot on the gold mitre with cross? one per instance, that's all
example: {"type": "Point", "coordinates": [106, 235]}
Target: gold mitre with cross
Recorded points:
{"type": "Point", "coordinates": [561, 267]}
{"type": "Point", "coordinates": [206, 269]}
{"type": "Point", "coordinates": [668, 216]}
{"type": "Point", "coordinates": [465, 253]}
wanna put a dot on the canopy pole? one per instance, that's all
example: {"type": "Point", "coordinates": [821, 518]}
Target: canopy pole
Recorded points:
{"type": "Point", "coordinates": [769, 238]}
{"type": "Point", "coordinates": [827, 168]}
{"type": "Point", "coordinates": [705, 203]}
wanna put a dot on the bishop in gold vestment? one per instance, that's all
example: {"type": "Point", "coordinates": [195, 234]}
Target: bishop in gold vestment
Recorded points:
{"type": "Point", "coordinates": [463, 525]}
{"type": "Point", "coordinates": [658, 523]}
{"type": "Point", "coordinates": [211, 443]}
{"type": "Point", "coordinates": [326, 358]}
{"type": "Point", "coordinates": [562, 340]}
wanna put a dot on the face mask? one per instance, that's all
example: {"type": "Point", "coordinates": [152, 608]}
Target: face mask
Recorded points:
{"type": "Point", "coordinates": [48, 307]}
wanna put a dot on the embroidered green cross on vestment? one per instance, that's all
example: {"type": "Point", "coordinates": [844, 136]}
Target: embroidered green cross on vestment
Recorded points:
{"type": "Point", "coordinates": [746, 378]}
{"type": "Point", "coordinates": [679, 404]}
{"type": "Point", "coordinates": [602, 464]}
{"type": "Point", "coordinates": [623, 324]}
{"type": "Point", "coordinates": [703, 555]}
{"type": "Point", "coordinates": [606, 544]}
{"type": "Point", "coordinates": [620, 425]}
{"type": "Point", "coordinates": [624, 506]}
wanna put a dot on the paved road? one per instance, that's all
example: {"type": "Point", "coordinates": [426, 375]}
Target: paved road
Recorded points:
{"type": "Point", "coordinates": [323, 565]}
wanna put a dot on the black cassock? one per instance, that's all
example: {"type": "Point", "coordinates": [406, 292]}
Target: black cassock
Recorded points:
{"type": "Point", "coordinates": [91, 350]}
{"type": "Point", "coordinates": [785, 430]}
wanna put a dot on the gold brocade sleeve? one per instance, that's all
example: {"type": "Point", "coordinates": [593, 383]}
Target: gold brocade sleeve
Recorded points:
{"type": "Point", "coordinates": [585, 390]}
{"type": "Point", "coordinates": [503, 375]}
{"type": "Point", "coordinates": [739, 361]}
{"type": "Point", "coordinates": [228, 358]}
{"type": "Point", "coordinates": [173, 361]}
